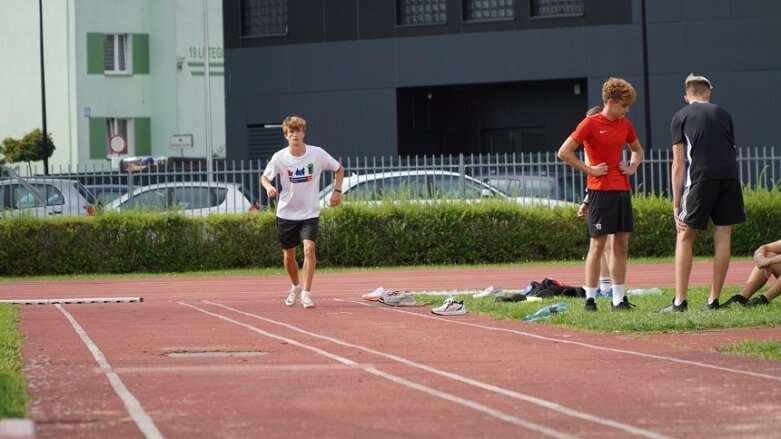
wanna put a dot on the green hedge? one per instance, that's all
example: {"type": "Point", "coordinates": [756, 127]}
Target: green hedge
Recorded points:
{"type": "Point", "coordinates": [351, 235]}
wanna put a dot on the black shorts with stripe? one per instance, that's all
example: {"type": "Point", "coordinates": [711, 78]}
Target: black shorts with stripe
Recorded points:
{"type": "Point", "coordinates": [609, 212]}
{"type": "Point", "coordinates": [291, 232]}
{"type": "Point", "coordinates": [718, 200]}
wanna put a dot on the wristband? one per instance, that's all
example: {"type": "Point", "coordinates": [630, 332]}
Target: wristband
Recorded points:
{"type": "Point", "coordinates": [338, 190]}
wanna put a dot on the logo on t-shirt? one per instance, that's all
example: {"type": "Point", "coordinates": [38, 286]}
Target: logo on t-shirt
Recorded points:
{"type": "Point", "coordinates": [301, 175]}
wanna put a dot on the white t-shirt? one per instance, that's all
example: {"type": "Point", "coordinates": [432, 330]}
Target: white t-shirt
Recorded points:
{"type": "Point", "coordinates": [299, 177]}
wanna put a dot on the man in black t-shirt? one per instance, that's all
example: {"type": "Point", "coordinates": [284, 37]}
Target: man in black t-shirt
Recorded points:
{"type": "Point", "coordinates": [708, 190]}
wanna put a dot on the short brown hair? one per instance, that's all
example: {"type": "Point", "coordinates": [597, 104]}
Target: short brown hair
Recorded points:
{"type": "Point", "coordinates": [618, 89]}
{"type": "Point", "coordinates": [293, 123]}
{"type": "Point", "coordinates": [697, 85]}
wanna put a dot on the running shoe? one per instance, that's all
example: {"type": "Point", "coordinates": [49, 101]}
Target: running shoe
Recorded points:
{"type": "Point", "coordinates": [292, 296]}
{"type": "Point", "coordinates": [676, 308]}
{"type": "Point", "coordinates": [737, 298]}
{"type": "Point", "coordinates": [374, 295]}
{"type": "Point", "coordinates": [710, 306]}
{"type": "Point", "coordinates": [624, 305]}
{"type": "Point", "coordinates": [490, 291]}
{"type": "Point", "coordinates": [757, 301]}
{"type": "Point", "coordinates": [591, 305]}
{"type": "Point", "coordinates": [307, 301]}
{"type": "Point", "coordinates": [450, 308]}
{"type": "Point", "coordinates": [398, 298]}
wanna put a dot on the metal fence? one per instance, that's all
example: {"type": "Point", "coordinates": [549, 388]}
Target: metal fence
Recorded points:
{"type": "Point", "coordinates": [536, 175]}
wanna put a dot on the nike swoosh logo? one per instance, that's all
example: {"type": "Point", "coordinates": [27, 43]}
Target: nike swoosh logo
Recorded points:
{"type": "Point", "coordinates": [602, 131]}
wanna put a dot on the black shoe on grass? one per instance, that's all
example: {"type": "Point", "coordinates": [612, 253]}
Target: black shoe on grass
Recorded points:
{"type": "Point", "coordinates": [737, 298]}
{"type": "Point", "coordinates": [710, 306]}
{"type": "Point", "coordinates": [591, 305]}
{"type": "Point", "coordinates": [757, 301]}
{"type": "Point", "coordinates": [676, 308]}
{"type": "Point", "coordinates": [623, 306]}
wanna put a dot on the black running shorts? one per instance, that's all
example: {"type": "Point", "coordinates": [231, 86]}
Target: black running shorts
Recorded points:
{"type": "Point", "coordinates": [718, 200]}
{"type": "Point", "coordinates": [291, 232]}
{"type": "Point", "coordinates": [609, 212]}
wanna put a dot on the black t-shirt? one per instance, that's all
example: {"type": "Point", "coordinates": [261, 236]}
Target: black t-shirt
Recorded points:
{"type": "Point", "coordinates": [706, 131]}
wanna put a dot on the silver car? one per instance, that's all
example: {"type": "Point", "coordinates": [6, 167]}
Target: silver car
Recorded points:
{"type": "Point", "coordinates": [195, 198]}
{"type": "Point", "coordinates": [44, 197]}
{"type": "Point", "coordinates": [423, 185]}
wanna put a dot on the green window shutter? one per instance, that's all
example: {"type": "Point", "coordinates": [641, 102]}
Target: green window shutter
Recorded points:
{"type": "Point", "coordinates": [143, 135]}
{"type": "Point", "coordinates": [141, 53]}
{"type": "Point", "coordinates": [95, 53]}
{"type": "Point", "coordinates": [97, 138]}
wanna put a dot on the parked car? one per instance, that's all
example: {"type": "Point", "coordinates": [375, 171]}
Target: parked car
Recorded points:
{"type": "Point", "coordinates": [45, 197]}
{"type": "Point", "coordinates": [106, 193]}
{"type": "Point", "coordinates": [195, 198]}
{"type": "Point", "coordinates": [423, 185]}
{"type": "Point", "coordinates": [564, 186]}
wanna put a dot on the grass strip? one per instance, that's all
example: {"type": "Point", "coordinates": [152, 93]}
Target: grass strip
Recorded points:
{"type": "Point", "coordinates": [770, 350]}
{"type": "Point", "coordinates": [13, 384]}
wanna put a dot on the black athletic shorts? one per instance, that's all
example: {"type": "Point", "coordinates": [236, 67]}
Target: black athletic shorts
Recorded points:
{"type": "Point", "coordinates": [717, 200]}
{"type": "Point", "coordinates": [291, 232]}
{"type": "Point", "coordinates": [609, 212]}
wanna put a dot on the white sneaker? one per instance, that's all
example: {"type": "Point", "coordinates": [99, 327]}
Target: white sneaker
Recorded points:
{"type": "Point", "coordinates": [374, 295]}
{"type": "Point", "coordinates": [292, 295]}
{"type": "Point", "coordinates": [450, 308]}
{"type": "Point", "coordinates": [307, 301]}
{"type": "Point", "coordinates": [490, 291]}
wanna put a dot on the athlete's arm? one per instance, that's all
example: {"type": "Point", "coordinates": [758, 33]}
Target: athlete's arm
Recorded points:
{"type": "Point", "coordinates": [567, 155]}
{"type": "Point", "coordinates": [678, 168]}
{"type": "Point", "coordinates": [634, 160]}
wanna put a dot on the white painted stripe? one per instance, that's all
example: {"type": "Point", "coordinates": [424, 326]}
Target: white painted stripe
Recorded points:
{"type": "Point", "coordinates": [587, 345]}
{"type": "Point", "coordinates": [393, 378]}
{"type": "Point", "coordinates": [137, 413]}
{"type": "Point", "coordinates": [72, 300]}
{"type": "Point", "coordinates": [490, 387]}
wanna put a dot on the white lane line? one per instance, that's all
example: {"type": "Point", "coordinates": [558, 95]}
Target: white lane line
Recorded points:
{"type": "Point", "coordinates": [393, 378]}
{"type": "Point", "coordinates": [489, 387]}
{"type": "Point", "coordinates": [585, 345]}
{"type": "Point", "coordinates": [137, 413]}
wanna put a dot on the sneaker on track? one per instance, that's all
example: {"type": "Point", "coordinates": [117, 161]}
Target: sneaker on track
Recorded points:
{"type": "Point", "coordinates": [490, 291]}
{"type": "Point", "coordinates": [450, 308]}
{"type": "Point", "coordinates": [737, 298]}
{"type": "Point", "coordinates": [591, 305]}
{"type": "Point", "coordinates": [398, 298]}
{"type": "Point", "coordinates": [624, 305]}
{"type": "Point", "coordinates": [306, 301]}
{"type": "Point", "coordinates": [757, 301]}
{"type": "Point", "coordinates": [292, 296]}
{"type": "Point", "coordinates": [683, 307]}
{"type": "Point", "coordinates": [374, 295]}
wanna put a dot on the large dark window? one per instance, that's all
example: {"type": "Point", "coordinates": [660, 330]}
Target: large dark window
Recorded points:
{"type": "Point", "coordinates": [542, 8]}
{"type": "Point", "coordinates": [264, 17]}
{"type": "Point", "coordinates": [421, 12]}
{"type": "Point", "coordinates": [476, 10]}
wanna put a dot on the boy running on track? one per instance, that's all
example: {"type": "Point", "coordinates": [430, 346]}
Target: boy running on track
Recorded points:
{"type": "Point", "coordinates": [299, 167]}
{"type": "Point", "coordinates": [702, 133]}
{"type": "Point", "coordinates": [610, 205]}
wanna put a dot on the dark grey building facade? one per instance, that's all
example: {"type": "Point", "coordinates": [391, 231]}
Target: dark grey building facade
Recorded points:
{"type": "Point", "coordinates": [422, 77]}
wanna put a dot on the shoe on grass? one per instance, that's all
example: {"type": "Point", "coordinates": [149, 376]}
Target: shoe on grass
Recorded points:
{"type": "Point", "coordinates": [737, 298]}
{"type": "Point", "coordinates": [292, 296]}
{"type": "Point", "coordinates": [710, 306]}
{"type": "Point", "coordinates": [624, 305]}
{"type": "Point", "coordinates": [450, 308]}
{"type": "Point", "coordinates": [683, 307]}
{"type": "Point", "coordinates": [591, 305]}
{"type": "Point", "coordinates": [757, 301]}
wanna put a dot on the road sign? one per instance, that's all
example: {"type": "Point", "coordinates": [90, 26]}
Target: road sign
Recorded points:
{"type": "Point", "coordinates": [181, 141]}
{"type": "Point", "coordinates": [117, 144]}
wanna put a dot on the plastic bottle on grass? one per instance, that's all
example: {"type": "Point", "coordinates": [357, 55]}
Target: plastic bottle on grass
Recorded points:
{"type": "Point", "coordinates": [547, 311]}
{"type": "Point", "coordinates": [644, 292]}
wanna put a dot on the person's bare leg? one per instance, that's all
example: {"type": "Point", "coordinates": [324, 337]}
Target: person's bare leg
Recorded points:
{"type": "Point", "coordinates": [310, 262]}
{"type": "Point", "coordinates": [683, 262]}
{"type": "Point", "coordinates": [291, 265]}
{"type": "Point", "coordinates": [595, 251]}
{"type": "Point", "coordinates": [618, 258]}
{"type": "Point", "coordinates": [756, 280]}
{"type": "Point", "coordinates": [722, 252]}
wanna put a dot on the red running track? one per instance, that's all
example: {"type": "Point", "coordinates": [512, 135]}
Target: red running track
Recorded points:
{"type": "Point", "coordinates": [223, 357]}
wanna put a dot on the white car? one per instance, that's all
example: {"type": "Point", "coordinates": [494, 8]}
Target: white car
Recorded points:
{"type": "Point", "coordinates": [424, 185]}
{"type": "Point", "coordinates": [44, 197]}
{"type": "Point", "coordinates": [196, 198]}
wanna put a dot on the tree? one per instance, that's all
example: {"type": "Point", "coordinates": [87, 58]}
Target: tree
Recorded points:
{"type": "Point", "coordinates": [28, 149]}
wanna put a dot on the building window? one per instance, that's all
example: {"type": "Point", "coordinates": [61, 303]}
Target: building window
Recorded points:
{"type": "Point", "coordinates": [264, 17]}
{"type": "Point", "coordinates": [118, 136]}
{"type": "Point", "coordinates": [542, 8]}
{"type": "Point", "coordinates": [421, 12]}
{"type": "Point", "coordinates": [116, 52]}
{"type": "Point", "coordinates": [475, 10]}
